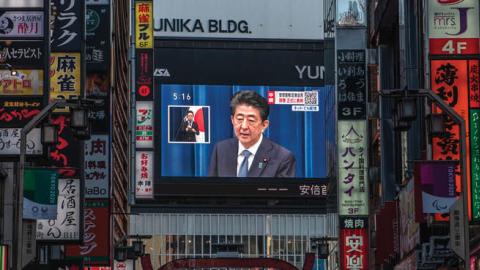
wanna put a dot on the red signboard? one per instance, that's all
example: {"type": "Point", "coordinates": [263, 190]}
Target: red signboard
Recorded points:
{"type": "Point", "coordinates": [95, 249]}
{"type": "Point", "coordinates": [353, 243]}
{"type": "Point", "coordinates": [449, 81]}
{"type": "Point", "coordinates": [454, 46]}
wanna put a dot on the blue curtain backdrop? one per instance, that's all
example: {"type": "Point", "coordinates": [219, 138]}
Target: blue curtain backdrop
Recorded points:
{"type": "Point", "coordinates": [306, 134]}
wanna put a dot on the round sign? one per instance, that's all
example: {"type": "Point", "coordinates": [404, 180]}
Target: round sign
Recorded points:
{"type": "Point", "coordinates": [144, 90]}
{"type": "Point", "coordinates": [92, 20]}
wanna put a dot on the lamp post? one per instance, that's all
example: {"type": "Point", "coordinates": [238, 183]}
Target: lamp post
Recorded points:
{"type": "Point", "coordinates": [124, 252]}
{"type": "Point", "coordinates": [17, 245]}
{"type": "Point", "coordinates": [406, 93]}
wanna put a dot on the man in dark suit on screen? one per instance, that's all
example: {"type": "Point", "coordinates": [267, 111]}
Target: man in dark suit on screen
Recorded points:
{"type": "Point", "coordinates": [188, 129]}
{"type": "Point", "coordinates": [250, 154]}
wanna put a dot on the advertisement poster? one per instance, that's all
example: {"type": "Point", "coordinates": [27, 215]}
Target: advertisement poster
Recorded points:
{"type": "Point", "coordinates": [24, 83]}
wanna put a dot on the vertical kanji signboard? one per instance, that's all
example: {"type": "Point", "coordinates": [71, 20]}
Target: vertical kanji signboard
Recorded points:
{"type": "Point", "coordinates": [144, 95]}
{"type": "Point", "coordinates": [352, 156]}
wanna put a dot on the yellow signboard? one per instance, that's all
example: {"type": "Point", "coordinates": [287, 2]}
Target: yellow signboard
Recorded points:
{"type": "Point", "coordinates": [144, 25]}
{"type": "Point", "coordinates": [65, 76]}
{"type": "Point", "coordinates": [24, 83]}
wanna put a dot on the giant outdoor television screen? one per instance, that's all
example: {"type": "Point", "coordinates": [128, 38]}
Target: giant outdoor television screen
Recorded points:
{"type": "Point", "coordinates": [196, 148]}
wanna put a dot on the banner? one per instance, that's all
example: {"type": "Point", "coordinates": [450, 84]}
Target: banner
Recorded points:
{"type": "Point", "coordinates": [437, 180]}
{"type": "Point", "coordinates": [67, 224]}
{"type": "Point", "coordinates": [40, 193]}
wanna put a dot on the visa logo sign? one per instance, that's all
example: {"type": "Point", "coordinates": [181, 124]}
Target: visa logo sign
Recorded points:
{"type": "Point", "coordinates": [161, 72]}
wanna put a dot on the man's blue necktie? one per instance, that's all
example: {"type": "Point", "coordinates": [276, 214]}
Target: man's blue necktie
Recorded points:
{"type": "Point", "coordinates": [243, 171]}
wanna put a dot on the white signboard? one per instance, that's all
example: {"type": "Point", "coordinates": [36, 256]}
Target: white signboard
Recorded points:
{"type": "Point", "coordinates": [352, 168]}
{"type": "Point", "coordinates": [144, 125]}
{"type": "Point", "coordinates": [67, 224]}
{"type": "Point", "coordinates": [96, 167]}
{"type": "Point", "coordinates": [10, 142]}
{"type": "Point", "coordinates": [21, 23]}
{"type": "Point", "coordinates": [144, 175]}
{"type": "Point", "coordinates": [453, 19]}
{"type": "Point", "coordinates": [246, 19]}
{"type": "Point", "coordinates": [22, 3]}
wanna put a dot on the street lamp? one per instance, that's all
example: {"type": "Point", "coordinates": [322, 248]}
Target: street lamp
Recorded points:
{"type": "Point", "coordinates": [124, 252]}
{"type": "Point", "coordinates": [48, 135]}
{"type": "Point", "coordinates": [438, 129]}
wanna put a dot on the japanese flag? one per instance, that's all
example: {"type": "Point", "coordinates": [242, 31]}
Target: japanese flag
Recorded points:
{"type": "Point", "coordinates": [200, 120]}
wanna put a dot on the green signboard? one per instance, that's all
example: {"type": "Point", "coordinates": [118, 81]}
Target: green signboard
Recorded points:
{"type": "Point", "coordinates": [475, 161]}
{"type": "Point", "coordinates": [40, 193]}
